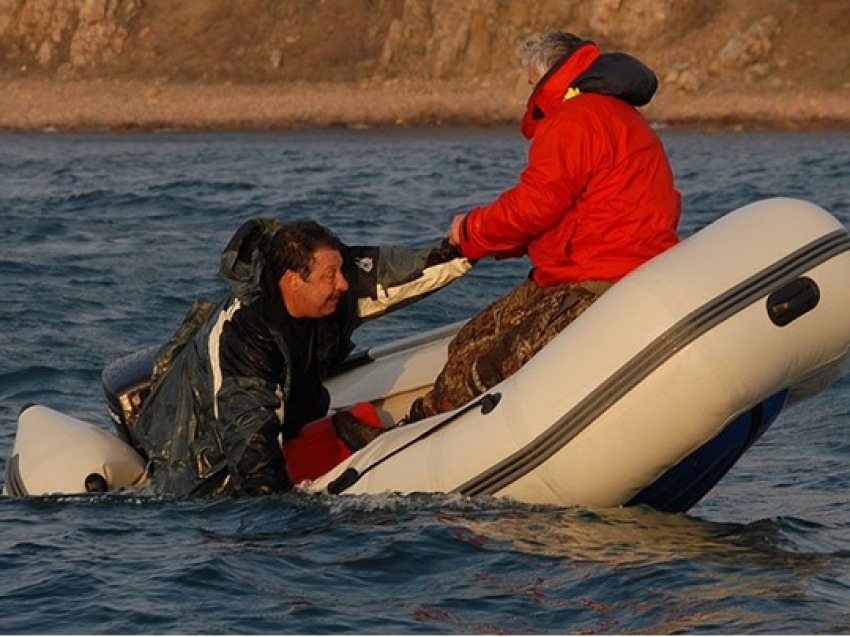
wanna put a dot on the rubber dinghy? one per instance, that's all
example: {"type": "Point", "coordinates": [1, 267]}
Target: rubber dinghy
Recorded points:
{"type": "Point", "coordinates": [649, 398]}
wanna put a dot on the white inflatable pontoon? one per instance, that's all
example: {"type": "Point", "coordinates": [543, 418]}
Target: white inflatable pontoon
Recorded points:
{"type": "Point", "coordinates": [649, 398]}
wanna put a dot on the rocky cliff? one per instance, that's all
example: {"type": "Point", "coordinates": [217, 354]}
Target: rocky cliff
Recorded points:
{"type": "Point", "coordinates": [732, 56]}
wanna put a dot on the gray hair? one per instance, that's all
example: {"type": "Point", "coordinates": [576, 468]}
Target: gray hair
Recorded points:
{"type": "Point", "coordinates": [541, 50]}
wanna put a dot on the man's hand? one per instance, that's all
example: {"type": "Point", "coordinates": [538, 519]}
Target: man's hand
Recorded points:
{"type": "Point", "coordinates": [454, 230]}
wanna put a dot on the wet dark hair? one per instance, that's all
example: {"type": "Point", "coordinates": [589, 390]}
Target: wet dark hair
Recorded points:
{"type": "Point", "coordinates": [293, 246]}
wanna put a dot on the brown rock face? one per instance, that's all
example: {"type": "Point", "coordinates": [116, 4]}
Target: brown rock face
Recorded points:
{"type": "Point", "coordinates": [720, 59]}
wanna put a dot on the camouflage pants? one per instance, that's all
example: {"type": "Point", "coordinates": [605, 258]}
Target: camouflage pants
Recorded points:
{"type": "Point", "coordinates": [499, 340]}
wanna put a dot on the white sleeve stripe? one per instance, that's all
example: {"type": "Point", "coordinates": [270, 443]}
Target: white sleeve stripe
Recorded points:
{"type": "Point", "coordinates": [432, 279]}
{"type": "Point", "coordinates": [213, 345]}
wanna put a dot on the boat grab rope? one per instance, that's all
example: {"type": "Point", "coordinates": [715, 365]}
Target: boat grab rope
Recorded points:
{"type": "Point", "coordinates": [663, 347]}
{"type": "Point", "coordinates": [350, 476]}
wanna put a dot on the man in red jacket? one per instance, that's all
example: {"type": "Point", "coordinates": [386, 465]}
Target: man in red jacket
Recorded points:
{"type": "Point", "coordinates": [596, 200]}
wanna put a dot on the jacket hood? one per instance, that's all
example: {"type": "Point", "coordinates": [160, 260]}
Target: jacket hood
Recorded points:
{"type": "Point", "coordinates": [619, 75]}
{"type": "Point", "coordinates": [243, 261]}
{"type": "Point", "coordinates": [590, 71]}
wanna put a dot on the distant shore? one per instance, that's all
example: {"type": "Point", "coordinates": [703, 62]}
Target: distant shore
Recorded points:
{"type": "Point", "coordinates": [100, 105]}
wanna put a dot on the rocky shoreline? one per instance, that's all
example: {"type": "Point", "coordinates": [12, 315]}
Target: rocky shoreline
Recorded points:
{"type": "Point", "coordinates": [108, 105]}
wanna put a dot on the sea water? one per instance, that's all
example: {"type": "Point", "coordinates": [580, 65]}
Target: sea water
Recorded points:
{"type": "Point", "coordinates": [106, 239]}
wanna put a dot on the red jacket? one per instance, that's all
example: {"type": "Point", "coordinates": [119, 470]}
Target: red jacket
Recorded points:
{"type": "Point", "coordinates": [597, 198]}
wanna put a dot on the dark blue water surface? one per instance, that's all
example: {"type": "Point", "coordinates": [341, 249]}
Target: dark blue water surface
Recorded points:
{"type": "Point", "coordinates": [106, 239]}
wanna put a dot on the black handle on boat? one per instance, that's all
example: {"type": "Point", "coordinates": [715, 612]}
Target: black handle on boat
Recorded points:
{"type": "Point", "coordinates": [350, 476]}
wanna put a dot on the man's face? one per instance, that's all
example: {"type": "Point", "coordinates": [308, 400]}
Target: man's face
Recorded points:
{"type": "Point", "coordinates": [533, 76]}
{"type": "Point", "coordinates": [318, 295]}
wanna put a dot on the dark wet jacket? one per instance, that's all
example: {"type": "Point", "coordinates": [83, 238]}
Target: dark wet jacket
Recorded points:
{"type": "Point", "coordinates": [238, 375]}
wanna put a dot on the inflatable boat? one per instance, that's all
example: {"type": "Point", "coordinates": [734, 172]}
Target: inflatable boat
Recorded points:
{"type": "Point", "coordinates": [649, 398]}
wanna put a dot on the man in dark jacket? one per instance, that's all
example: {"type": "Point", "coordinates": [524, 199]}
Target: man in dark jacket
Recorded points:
{"type": "Point", "coordinates": [238, 376]}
